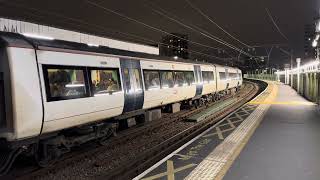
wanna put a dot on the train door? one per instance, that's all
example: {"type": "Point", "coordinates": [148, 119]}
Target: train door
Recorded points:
{"type": "Point", "coordinates": [198, 79]}
{"type": "Point", "coordinates": [132, 85]}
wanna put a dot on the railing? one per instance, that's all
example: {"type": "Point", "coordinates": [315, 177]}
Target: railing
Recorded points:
{"type": "Point", "coordinates": [269, 77]}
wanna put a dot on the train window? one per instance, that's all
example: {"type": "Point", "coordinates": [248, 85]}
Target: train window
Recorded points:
{"type": "Point", "coordinates": [166, 79]}
{"type": "Point", "coordinates": [233, 76]}
{"type": "Point", "coordinates": [207, 76]}
{"type": "Point", "coordinates": [151, 79]}
{"type": "Point", "coordinates": [179, 79]}
{"type": "Point", "coordinates": [104, 81]}
{"type": "Point", "coordinates": [222, 75]}
{"type": "Point", "coordinates": [65, 82]}
{"type": "Point", "coordinates": [189, 75]}
{"type": "Point", "coordinates": [240, 76]}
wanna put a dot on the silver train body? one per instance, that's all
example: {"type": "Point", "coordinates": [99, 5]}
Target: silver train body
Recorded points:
{"type": "Point", "coordinates": [47, 86]}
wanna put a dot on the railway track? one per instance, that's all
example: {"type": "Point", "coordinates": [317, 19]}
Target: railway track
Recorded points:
{"type": "Point", "coordinates": [165, 142]}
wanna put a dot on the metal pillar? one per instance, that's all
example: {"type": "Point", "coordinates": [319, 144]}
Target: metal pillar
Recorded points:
{"type": "Point", "coordinates": [286, 81]}
{"type": "Point", "coordinates": [291, 62]}
{"type": "Point", "coordinates": [298, 74]}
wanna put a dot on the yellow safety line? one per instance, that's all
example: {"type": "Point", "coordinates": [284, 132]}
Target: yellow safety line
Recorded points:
{"type": "Point", "coordinates": [284, 103]}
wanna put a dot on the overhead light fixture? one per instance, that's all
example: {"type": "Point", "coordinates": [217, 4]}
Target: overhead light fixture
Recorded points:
{"type": "Point", "coordinates": [314, 43]}
{"type": "Point", "coordinates": [317, 37]}
{"type": "Point", "coordinates": [36, 36]}
{"type": "Point", "coordinates": [93, 45]}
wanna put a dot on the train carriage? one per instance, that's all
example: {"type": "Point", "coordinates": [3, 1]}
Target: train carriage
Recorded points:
{"type": "Point", "coordinates": [49, 87]}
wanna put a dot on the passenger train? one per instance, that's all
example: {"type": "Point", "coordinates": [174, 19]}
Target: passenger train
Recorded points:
{"type": "Point", "coordinates": [53, 89]}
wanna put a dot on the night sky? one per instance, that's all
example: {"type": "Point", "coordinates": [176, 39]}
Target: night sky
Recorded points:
{"type": "Point", "coordinates": [247, 20]}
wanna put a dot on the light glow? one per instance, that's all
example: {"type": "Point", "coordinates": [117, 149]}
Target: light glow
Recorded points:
{"type": "Point", "coordinates": [175, 57]}
{"type": "Point", "coordinates": [314, 43]}
{"type": "Point", "coordinates": [74, 85]}
{"type": "Point", "coordinates": [36, 36]}
{"type": "Point", "coordinates": [93, 45]}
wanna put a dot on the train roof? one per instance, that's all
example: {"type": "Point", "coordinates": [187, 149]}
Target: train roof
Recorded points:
{"type": "Point", "coordinates": [18, 40]}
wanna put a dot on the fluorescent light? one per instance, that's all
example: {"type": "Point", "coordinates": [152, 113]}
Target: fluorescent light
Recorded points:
{"type": "Point", "coordinates": [74, 85]}
{"type": "Point", "coordinates": [38, 36]}
{"type": "Point", "coordinates": [93, 45]}
{"type": "Point", "coordinates": [317, 37]}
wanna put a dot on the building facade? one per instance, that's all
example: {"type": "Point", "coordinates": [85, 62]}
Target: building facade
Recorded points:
{"type": "Point", "coordinates": [175, 45]}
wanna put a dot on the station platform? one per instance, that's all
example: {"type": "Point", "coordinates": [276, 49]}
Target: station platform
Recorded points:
{"type": "Point", "coordinates": [286, 144]}
{"type": "Point", "coordinates": [274, 136]}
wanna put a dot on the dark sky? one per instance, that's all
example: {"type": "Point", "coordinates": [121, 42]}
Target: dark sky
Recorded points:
{"type": "Point", "coordinates": [245, 19]}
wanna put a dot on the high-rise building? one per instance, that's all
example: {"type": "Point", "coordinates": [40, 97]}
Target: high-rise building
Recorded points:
{"type": "Point", "coordinates": [309, 34]}
{"type": "Point", "coordinates": [175, 45]}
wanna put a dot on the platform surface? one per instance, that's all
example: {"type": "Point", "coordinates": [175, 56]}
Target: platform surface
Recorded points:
{"type": "Point", "coordinates": [286, 145]}
{"type": "Point", "coordinates": [274, 136]}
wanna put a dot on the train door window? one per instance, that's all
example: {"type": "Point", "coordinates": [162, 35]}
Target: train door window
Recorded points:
{"type": "Point", "coordinates": [137, 80]}
{"type": "Point", "coordinates": [179, 79]}
{"type": "Point", "coordinates": [166, 79]}
{"type": "Point", "coordinates": [105, 81]}
{"type": "Point", "coordinates": [126, 78]}
{"type": "Point", "coordinates": [222, 75]}
{"type": "Point", "coordinates": [151, 79]}
{"type": "Point", "coordinates": [64, 82]}
{"type": "Point", "coordinates": [189, 75]}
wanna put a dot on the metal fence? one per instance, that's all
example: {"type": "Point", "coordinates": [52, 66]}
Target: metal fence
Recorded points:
{"type": "Point", "coordinates": [268, 77]}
